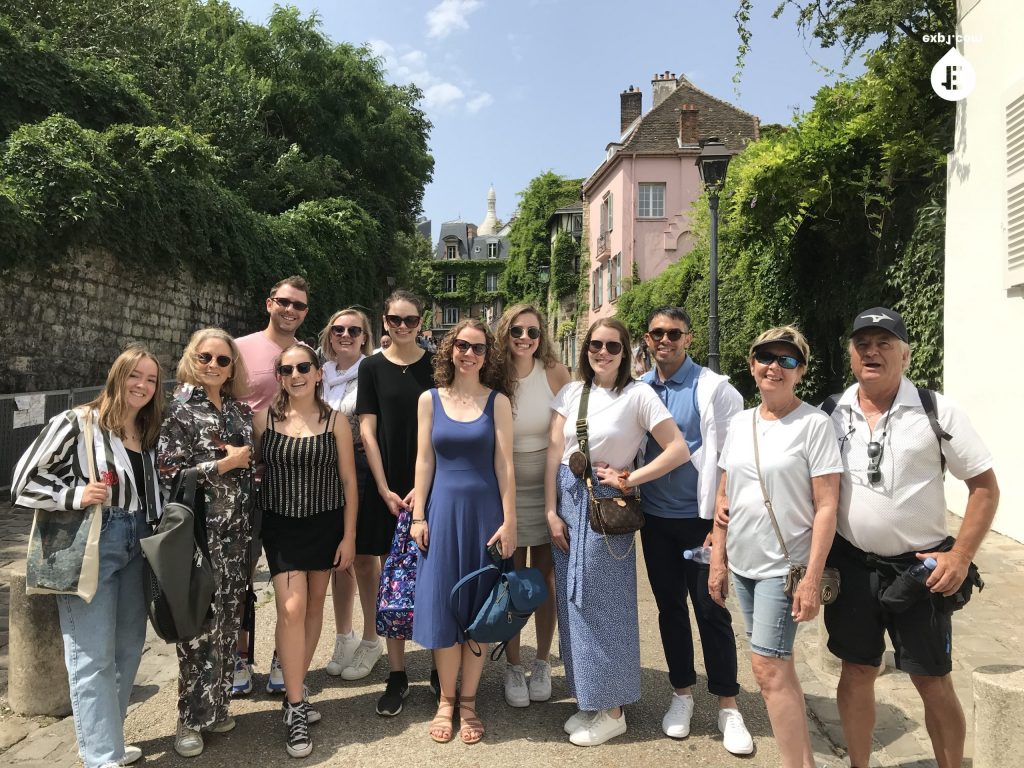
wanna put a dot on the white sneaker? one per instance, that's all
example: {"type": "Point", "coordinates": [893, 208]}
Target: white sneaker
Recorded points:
{"type": "Point", "coordinates": [241, 683]}
{"type": "Point", "coordinates": [735, 736]}
{"type": "Point", "coordinates": [132, 754]}
{"type": "Point", "coordinates": [601, 728]}
{"type": "Point", "coordinates": [577, 721]}
{"type": "Point", "coordinates": [363, 660]}
{"type": "Point", "coordinates": [516, 692]}
{"type": "Point", "coordinates": [188, 742]}
{"type": "Point", "coordinates": [344, 649]}
{"type": "Point", "coordinates": [676, 722]}
{"type": "Point", "coordinates": [540, 681]}
{"type": "Point", "coordinates": [275, 683]}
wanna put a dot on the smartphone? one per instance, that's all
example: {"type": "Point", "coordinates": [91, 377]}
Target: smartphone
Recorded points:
{"type": "Point", "coordinates": [494, 552]}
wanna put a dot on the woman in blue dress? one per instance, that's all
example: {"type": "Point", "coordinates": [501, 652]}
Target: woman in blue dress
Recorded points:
{"type": "Point", "coordinates": [464, 501]}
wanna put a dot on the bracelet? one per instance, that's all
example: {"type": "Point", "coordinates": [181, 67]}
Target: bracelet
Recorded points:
{"type": "Point", "coordinates": [417, 520]}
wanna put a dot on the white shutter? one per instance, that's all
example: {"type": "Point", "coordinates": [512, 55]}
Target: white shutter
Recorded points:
{"type": "Point", "coordinates": [1015, 186]}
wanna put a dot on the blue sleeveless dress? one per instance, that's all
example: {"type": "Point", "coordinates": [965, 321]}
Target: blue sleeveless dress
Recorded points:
{"type": "Point", "coordinates": [463, 511]}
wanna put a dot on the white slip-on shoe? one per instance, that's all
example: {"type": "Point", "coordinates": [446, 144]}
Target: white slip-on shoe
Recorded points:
{"type": "Point", "coordinates": [735, 736]}
{"type": "Point", "coordinates": [676, 722]}
{"type": "Point", "coordinates": [577, 721]}
{"type": "Point", "coordinates": [516, 692]}
{"type": "Point", "coordinates": [599, 730]}
{"type": "Point", "coordinates": [344, 649]}
{"type": "Point", "coordinates": [132, 754]}
{"type": "Point", "coordinates": [363, 660]}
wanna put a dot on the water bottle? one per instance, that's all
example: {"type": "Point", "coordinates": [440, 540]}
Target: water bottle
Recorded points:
{"type": "Point", "coordinates": [923, 570]}
{"type": "Point", "coordinates": [700, 555]}
{"type": "Point", "coordinates": [909, 588]}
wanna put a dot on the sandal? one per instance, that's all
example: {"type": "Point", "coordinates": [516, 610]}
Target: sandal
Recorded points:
{"type": "Point", "coordinates": [472, 729]}
{"type": "Point", "coordinates": [441, 726]}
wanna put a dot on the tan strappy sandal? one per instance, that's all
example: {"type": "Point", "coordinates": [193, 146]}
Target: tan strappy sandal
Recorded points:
{"type": "Point", "coordinates": [472, 729]}
{"type": "Point", "coordinates": [441, 729]}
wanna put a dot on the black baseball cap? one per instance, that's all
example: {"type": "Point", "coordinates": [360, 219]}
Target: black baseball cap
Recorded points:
{"type": "Point", "coordinates": [884, 318]}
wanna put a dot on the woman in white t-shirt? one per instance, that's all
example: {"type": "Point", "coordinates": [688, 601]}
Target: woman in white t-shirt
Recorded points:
{"type": "Point", "coordinates": [595, 575]}
{"type": "Point", "coordinates": [795, 446]}
{"type": "Point", "coordinates": [346, 340]}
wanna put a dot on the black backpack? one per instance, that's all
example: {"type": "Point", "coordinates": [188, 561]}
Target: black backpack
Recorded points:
{"type": "Point", "coordinates": [177, 575]}
{"type": "Point", "coordinates": [927, 402]}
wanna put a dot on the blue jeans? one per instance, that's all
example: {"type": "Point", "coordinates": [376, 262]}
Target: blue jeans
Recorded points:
{"type": "Point", "coordinates": [103, 639]}
{"type": "Point", "coordinates": [768, 614]}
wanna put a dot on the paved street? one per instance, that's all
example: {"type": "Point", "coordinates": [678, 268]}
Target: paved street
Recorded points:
{"type": "Point", "coordinates": [987, 632]}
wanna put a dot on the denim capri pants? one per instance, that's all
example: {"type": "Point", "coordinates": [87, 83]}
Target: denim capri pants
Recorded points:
{"type": "Point", "coordinates": [768, 615]}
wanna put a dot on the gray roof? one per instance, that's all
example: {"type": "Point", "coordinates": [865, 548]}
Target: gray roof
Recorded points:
{"type": "Point", "coordinates": [473, 248]}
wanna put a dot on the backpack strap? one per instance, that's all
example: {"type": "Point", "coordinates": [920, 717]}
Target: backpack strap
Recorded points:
{"type": "Point", "coordinates": [930, 409]}
{"type": "Point", "coordinates": [830, 404]}
{"type": "Point", "coordinates": [453, 597]}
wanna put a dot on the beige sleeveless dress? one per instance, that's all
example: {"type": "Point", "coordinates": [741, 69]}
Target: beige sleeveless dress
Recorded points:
{"type": "Point", "coordinates": [532, 419]}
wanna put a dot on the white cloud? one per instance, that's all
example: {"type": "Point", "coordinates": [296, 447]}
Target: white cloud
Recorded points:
{"type": "Point", "coordinates": [478, 102]}
{"type": "Point", "coordinates": [450, 15]}
{"type": "Point", "coordinates": [441, 95]}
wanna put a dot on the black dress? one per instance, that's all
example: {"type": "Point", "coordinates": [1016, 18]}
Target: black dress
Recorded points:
{"type": "Point", "coordinates": [390, 392]}
{"type": "Point", "coordinates": [303, 500]}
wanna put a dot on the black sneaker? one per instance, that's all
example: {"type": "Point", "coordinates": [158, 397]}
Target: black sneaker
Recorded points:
{"type": "Point", "coordinates": [390, 704]}
{"type": "Point", "coordinates": [435, 686]}
{"type": "Point", "coordinates": [298, 742]}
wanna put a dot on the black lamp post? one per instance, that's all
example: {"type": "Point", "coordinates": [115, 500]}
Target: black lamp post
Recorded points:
{"type": "Point", "coordinates": [713, 162]}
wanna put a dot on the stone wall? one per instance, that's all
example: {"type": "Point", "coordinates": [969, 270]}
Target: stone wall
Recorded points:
{"type": "Point", "coordinates": [62, 325]}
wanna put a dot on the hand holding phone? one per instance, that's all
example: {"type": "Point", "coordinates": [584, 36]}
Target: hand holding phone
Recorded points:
{"type": "Point", "coordinates": [494, 552]}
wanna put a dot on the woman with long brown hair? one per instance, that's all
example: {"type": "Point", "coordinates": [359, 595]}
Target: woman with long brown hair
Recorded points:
{"type": "Point", "coordinates": [103, 638]}
{"type": "Point", "coordinates": [465, 501]}
{"type": "Point", "coordinates": [523, 347]}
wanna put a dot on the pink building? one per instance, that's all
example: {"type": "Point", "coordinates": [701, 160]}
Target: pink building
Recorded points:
{"type": "Point", "coordinates": [638, 200]}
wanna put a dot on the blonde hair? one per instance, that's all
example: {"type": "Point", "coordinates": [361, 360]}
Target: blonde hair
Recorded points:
{"type": "Point", "coordinates": [237, 385]}
{"type": "Point", "coordinates": [110, 401]}
{"type": "Point", "coordinates": [324, 339]}
{"type": "Point", "coordinates": [787, 334]}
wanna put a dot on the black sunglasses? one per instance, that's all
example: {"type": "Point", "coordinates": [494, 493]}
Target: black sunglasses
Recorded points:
{"type": "Point", "coordinates": [464, 346]}
{"type": "Point", "coordinates": [300, 306]}
{"type": "Point", "coordinates": [874, 462]}
{"type": "Point", "coordinates": [354, 331]}
{"type": "Point", "coordinates": [789, 362]}
{"type": "Point", "coordinates": [206, 358]}
{"type": "Point", "coordinates": [286, 370]}
{"type": "Point", "coordinates": [674, 334]}
{"type": "Point", "coordinates": [517, 331]}
{"type": "Point", "coordinates": [410, 321]}
{"type": "Point", "coordinates": [613, 347]}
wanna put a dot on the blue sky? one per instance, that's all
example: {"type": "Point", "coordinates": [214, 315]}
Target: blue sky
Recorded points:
{"type": "Point", "coordinates": [517, 87]}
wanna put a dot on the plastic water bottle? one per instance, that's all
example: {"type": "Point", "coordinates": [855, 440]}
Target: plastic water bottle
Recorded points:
{"type": "Point", "coordinates": [923, 570]}
{"type": "Point", "coordinates": [700, 555]}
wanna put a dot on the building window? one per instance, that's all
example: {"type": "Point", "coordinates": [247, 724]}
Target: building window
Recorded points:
{"type": "Point", "coordinates": [492, 281]}
{"type": "Point", "coordinates": [607, 212]}
{"type": "Point", "coordinates": [451, 251]}
{"type": "Point", "coordinates": [618, 275]}
{"type": "Point", "coordinates": [599, 286]}
{"type": "Point", "coordinates": [449, 284]}
{"type": "Point", "coordinates": [651, 201]}
{"type": "Point", "coordinates": [492, 250]}
{"type": "Point", "coordinates": [451, 315]}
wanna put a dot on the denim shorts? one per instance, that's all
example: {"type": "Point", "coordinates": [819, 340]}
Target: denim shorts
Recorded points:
{"type": "Point", "coordinates": [768, 614]}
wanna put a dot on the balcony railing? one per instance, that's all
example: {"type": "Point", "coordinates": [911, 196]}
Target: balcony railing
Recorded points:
{"type": "Point", "coordinates": [603, 249]}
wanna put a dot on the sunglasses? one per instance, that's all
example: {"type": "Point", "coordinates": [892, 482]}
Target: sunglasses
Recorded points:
{"type": "Point", "coordinates": [673, 334]}
{"type": "Point", "coordinates": [789, 362]}
{"type": "Point", "coordinates": [517, 331]}
{"type": "Point", "coordinates": [874, 463]}
{"type": "Point", "coordinates": [286, 370]}
{"type": "Point", "coordinates": [300, 306]}
{"type": "Point", "coordinates": [613, 347]}
{"type": "Point", "coordinates": [205, 358]}
{"type": "Point", "coordinates": [464, 346]}
{"type": "Point", "coordinates": [352, 330]}
{"type": "Point", "coordinates": [395, 321]}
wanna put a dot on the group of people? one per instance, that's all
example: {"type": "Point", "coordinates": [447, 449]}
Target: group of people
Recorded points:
{"type": "Point", "coordinates": [351, 456]}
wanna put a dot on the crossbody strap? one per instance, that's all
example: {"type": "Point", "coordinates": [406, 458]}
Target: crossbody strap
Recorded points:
{"type": "Point", "coordinates": [582, 435]}
{"type": "Point", "coordinates": [90, 449]}
{"type": "Point", "coordinates": [764, 491]}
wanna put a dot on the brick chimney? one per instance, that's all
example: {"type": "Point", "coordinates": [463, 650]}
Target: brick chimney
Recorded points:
{"type": "Point", "coordinates": [689, 126]}
{"type": "Point", "coordinates": [630, 107]}
{"type": "Point", "coordinates": [662, 85]}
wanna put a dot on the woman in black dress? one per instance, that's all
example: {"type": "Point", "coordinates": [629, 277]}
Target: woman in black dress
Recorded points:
{"type": "Point", "coordinates": [309, 519]}
{"type": "Point", "coordinates": [390, 384]}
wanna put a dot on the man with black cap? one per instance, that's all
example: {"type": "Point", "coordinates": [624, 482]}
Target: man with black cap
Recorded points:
{"type": "Point", "coordinates": [896, 442]}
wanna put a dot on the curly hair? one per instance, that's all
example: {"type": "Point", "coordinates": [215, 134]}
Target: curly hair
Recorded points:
{"type": "Point", "coordinates": [492, 375]}
{"type": "Point", "coordinates": [279, 405]}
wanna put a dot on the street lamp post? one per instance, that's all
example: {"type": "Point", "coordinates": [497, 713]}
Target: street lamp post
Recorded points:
{"type": "Point", "coordinates": [713, 162]}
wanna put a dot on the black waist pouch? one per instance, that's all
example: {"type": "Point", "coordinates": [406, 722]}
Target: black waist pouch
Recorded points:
{"type": "Point", "coordinates": [902, 591]}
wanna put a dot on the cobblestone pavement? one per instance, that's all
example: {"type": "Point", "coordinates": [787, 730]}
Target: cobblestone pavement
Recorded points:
{"type": "Point", "coordinates": [987, 632]}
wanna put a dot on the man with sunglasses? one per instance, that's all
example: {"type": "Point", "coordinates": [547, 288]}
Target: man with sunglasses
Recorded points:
{"type": "Point", "coordinates": [287, 307]}
{"type": "Point", "coordinates": [892, 514]}
{"type": "Point", "coordinates": [679, 508]}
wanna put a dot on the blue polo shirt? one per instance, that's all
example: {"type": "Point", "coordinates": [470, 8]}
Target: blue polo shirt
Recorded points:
{"type": "Point", "coordinates": [675, 494]}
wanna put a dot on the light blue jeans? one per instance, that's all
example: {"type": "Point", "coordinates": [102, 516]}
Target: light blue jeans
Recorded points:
{"type": "Point", "coordinates": [768, 615]}
{"type": "Point", "coordinates": [103, 640]}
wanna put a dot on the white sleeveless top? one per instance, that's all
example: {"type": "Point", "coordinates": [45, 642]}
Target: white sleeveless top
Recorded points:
{"type": "Point", "coordinates": [532, 412]}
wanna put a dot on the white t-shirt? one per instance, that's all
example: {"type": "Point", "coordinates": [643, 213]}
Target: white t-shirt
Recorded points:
{"type": "Point", "coordinates": [906, 510]}
{"type": "Point", "coordinates": [616, 421]}
{"type": "Point", "coordinates": [797, 447]}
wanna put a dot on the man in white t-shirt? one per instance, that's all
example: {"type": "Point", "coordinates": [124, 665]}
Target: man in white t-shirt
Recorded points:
{"type": "Point", "coordinates": [892, 514]}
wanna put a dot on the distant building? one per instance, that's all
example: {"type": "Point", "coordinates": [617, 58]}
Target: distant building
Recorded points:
{"type": "Point", "coordinates": [468, 262]}
{"type": "Point", "coordinates": [637, 202]}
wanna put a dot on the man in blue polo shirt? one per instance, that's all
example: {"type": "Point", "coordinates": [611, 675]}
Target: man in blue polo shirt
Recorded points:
{"type": "Point", "coordinates": [679, 509]}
